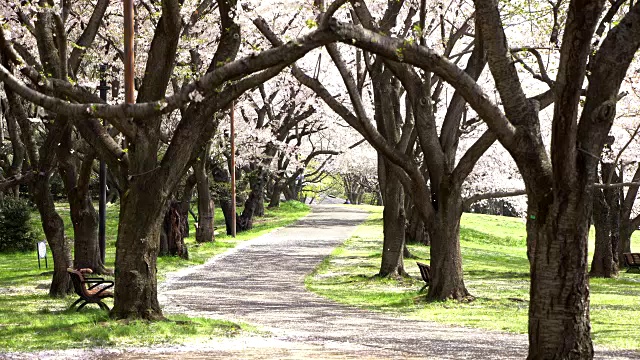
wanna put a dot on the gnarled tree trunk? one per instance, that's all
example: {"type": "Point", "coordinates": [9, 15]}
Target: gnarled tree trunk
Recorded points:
{"type": "Point", "coordinates": [222, 178]}
{"type": "Point", "coordinates": [253, 203]}
{"type": "Point", "coordinates": [624, 244]}
{"type": "Point", "coordinates": [446, 258]}
{"type": "Point", "coordinates": [606, 220]}
{"type": "Point", "coordinates": [173, 233]}
{"type": "Point", "coordinates": [275, 194]}
{"type": "Point", "coordinates": [261, 179]}
{"type": "Point", "coordinates": [141, 213]}
{"type": "Point", "coordinates": [561, 232]}
{"type": "Point", "coordinates": [415, 230]}
{"type": "Point", "coordinates": [53, 227]}
{"type": "Point", "coordinates": [393, 218]}
{"type": "Point", "coordinates": [185, 203]}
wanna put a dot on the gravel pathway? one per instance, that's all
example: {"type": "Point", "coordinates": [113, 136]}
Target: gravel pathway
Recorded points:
{"type": "Point", "coordinates": [261, 282]}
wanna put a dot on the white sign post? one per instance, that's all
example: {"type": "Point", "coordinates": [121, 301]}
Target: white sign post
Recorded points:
{"type": "Point", "coordinates": [42, 253]}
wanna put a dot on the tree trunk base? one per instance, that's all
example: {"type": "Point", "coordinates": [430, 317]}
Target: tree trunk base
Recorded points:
{"type": "Point", "coordinates": [395, 274]}
{"type": "Point", "coordinates": [460, 295]}
{"type": "Point", "coordinates": [148, 315]}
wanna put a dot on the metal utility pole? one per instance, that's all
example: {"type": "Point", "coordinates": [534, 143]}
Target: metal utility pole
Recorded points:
{"type": "Point", "coordinates": [102, 209]}
{"type": "Point", "coordinates": [233, 170]}
{"type": "Point", "coordinates": [128, 52]}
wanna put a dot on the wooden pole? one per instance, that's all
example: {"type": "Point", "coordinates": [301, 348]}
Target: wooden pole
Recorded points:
{"type": "Point", "coordinates": [128, 52]}
{"type": "Point", "coordinates": [233, 170]}
{"type": "Point", "coordinates": [102, 208]}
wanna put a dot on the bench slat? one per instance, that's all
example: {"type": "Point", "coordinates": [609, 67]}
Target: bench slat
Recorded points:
{"type": "Point", "coordinates": [632, 260]}
{"type": "Point", "coordinates": [425, 272]}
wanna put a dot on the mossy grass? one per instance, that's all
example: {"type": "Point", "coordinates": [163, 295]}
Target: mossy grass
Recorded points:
{"type": "Point", "coordinates": [496, 272]}
{"type": "Point", "coordinates": [30, 320]}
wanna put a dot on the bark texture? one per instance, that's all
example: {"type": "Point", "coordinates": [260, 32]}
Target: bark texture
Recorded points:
{"type": "Point", "coordinates": [606, 220]}
{"type": "Point", "coordinates": [53, 227]}
{"type": "Point", "coordinates": [392, 263]}
{"type": "Point", "coordinates": [173, 232]}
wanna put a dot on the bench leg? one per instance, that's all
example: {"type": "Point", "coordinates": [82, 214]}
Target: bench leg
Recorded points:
{"type": "Point", "coordinates": [75, 303]}
{"type": "Point", "coordinates": [81, 306]}
{"type": "Point", "coordinates": [103, 306]}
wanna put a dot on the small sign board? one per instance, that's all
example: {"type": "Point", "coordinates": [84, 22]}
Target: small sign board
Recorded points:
{"type": "Point", "coordinates": [42, 249]}
{"type": "Point", "coordinates": [42, 253]}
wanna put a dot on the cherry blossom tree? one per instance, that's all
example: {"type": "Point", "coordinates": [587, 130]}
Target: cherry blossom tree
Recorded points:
{"type": "Point", "coordinates": [558, 186]}
{"type": "Point", "coordinates": [146, 178]}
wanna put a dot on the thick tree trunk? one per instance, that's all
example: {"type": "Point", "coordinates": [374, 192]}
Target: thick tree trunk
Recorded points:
{"type": "Point", "coordinates": [607, 211]}
{"type": "Point", "coordinates": [394, 226]}
{"type": "Point", "coordinates": [624, 244]}
{"type": "Point", "coordinates": [185, 203]}
{"type": "Point", "coordinates": [602, 264]}
{"type": "Point", "coordinates": [204, 232]}
{"type": "Point", "coordinates": [222, 178]}
{"type": "Point", "coordinates": [85, 228]}
{"type": "Point", "coordinates": [260, 206]}
{"type": "Point", "coordinates": [253, 202]}
{"type": "Point", "coordinates": [53, 227]}
{"type": "Point", "coordinates": [261, 178]}
{"type": "Point", "coordinates": [141, 213]}
{"type": "Point", "coordinates": [275, 195]}
{"type": "Point", "coordinates": [415, 229]}
{"type": "Point", "coordinates": [447, 280]}
{"type": "Point", "coordinates": [173, 231]}
{"type": "Point", "coordinates": [289, 192]}
{"type": "Point", "coordinates": [559, 298]}
{"type": "Point", "coordinates": [142, 208]}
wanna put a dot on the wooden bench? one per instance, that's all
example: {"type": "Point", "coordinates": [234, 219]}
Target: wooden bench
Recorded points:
{"type": "Point", "coordinates": [632, 261]}
{"type": "Point", "coordinates": [91, 290]}
{"type": "Point", "coordinates": [425, 271]}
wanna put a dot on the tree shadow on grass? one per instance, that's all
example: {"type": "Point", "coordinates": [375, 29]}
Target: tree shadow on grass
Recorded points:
{"type": "Point", "coordinates": [496, 275]}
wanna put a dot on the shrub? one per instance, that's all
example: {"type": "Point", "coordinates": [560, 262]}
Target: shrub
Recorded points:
{"type": "Point", "coordinates": [15, 229]}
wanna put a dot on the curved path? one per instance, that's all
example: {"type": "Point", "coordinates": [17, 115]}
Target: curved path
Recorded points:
{"type": "Point", "coordinates": [262, 282]}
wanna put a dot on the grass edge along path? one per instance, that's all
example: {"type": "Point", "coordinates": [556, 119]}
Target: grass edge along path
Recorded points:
{"type": "Point", "coordinates": [496, 271]}
{"type": "Point", "coordinates": [32, 321]}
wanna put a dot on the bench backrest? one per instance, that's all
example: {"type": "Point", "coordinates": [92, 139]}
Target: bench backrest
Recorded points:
{"type": "Point", "coordinates": [425, 271]}
{"type": "Point", "coordinates": [632, 259]}
{"type": "Point", "coordinates": [78, 282]}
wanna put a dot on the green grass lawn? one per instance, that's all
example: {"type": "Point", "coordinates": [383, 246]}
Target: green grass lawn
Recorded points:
{"type": "Point", "coordinates": [496, 271]}
{"type": "Point", "coordinates": [30, 320]}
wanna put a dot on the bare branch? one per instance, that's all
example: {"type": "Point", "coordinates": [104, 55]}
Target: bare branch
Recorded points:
{"type": "Point", "coordinates": [88, 35]}
{"type": "Point", "coordinates": [16, 180]}
{"type": "Point", "coordinates": [326, 17]}
{"type": "Point", "coordinates": [492, 195]}
{"type": "Point", "coordinates": [206, 85]}
{"type": "Point", "coordinates": [471, 157]}
{"type": "Point", "coordinates": [615, 186]}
